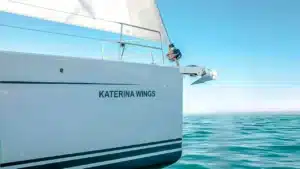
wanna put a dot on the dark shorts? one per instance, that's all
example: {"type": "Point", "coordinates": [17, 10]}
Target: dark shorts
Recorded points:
{"type": "Point", "coordinates": [178, 56]}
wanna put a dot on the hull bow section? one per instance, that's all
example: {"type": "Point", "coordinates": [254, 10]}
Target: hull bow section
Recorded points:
{"type": "Point", "coordinates": [67, 112]}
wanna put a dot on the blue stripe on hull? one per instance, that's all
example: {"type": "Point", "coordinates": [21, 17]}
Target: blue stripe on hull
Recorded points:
{"type": "Point", "coordinates": [160, 155]}
{"type": "Point", "coordinates": [102, 158]}
{"type": "Point", "coordinates": [85, 153]}
{"type": "Point", "coordinates": [153, 162]}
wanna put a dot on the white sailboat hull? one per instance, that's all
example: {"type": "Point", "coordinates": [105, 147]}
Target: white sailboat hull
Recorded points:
{"type": "Point", "coordinates": [66, 112]}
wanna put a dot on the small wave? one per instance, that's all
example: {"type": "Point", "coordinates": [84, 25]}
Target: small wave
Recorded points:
{"type": "Point", "coordinates": [285, 148]}
{"type": "Point", "coordinates": [263, 142]}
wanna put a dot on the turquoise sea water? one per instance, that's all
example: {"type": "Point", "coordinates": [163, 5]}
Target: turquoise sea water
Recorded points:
{"type": "Point", "coordinates": [240, 141]}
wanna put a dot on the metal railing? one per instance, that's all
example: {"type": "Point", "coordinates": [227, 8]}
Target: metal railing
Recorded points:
{"type": "Point", "coordinates": [121, 41]}
{"type": "Point", "coordinates": [135, 44]}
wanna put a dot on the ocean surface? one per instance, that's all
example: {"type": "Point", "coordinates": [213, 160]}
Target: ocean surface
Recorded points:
{"type": "Point", "coordinates": [241, 142]}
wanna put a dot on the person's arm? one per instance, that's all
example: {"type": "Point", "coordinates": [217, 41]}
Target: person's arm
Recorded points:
{"type": "Point", "coordinates": [170, 52]}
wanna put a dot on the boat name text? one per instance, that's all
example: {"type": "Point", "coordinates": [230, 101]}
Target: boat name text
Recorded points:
{"type": "Point", "coordinates": [126, 93]}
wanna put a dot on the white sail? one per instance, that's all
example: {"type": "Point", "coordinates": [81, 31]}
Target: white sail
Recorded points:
{"type": "Point", "coordinates": [96, 14]}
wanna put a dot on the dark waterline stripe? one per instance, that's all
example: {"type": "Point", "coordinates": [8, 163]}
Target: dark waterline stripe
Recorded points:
{"type": "Point", "coordinates": [63, 83]}
{"type": "Point", "coordinates": [157, 161]}
{"type": "Point", "coordinates": [103, 158]}
{"type": "Point", "coordinates": [84, 153]}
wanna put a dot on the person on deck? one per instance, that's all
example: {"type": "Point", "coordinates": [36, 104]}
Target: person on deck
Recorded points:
{"type": "Point", "coordinates": [174, 54]}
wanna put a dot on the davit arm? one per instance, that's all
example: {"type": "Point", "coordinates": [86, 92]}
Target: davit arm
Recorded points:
{"type": "Point", "coordinates": [197, 71]}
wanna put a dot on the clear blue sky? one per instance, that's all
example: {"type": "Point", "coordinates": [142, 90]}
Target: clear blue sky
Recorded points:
{"type": "Point", "coordinates": [254, 45]}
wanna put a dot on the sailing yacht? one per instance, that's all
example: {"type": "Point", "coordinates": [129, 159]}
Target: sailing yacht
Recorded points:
{"type": "Point", "coordinates": [81, 112]}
